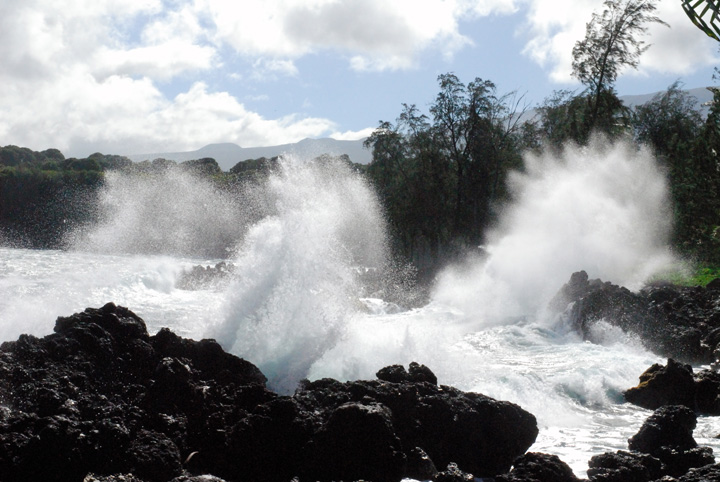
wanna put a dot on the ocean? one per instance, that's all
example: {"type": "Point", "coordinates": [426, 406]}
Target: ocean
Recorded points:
{"type": "Point", "coordinates": [299, 303]}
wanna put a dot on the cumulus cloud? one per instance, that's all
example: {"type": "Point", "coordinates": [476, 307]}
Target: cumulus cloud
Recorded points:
{"type": "Point", "coordinates": [373, 34]}
{"type": "Point", "coordinates": [554, 26]}
{"type": "Point", "coordinates": [83, 76]}
{"type": "Point", "coordinates": [88, 75]}
{"type": "Point", "coordinates": [352, 135]}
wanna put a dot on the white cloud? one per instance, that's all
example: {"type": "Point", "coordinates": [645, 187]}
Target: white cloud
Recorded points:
{"type": "Point", "coordinates": [555, 25]}
{"type": "Point", "coordinates": [81, 77]}
{"type": "Point", "coordinates": [374, 34]}
{"type": "Point", "coordinates": [161, 62]}
{"type": "Point", "coordinates": [352, 135]}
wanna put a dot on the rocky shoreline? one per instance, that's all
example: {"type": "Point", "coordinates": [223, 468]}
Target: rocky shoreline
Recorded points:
{"type": "Point", "coordinates": [101, 400]}
{"type": "Point", "coordinates": [101, 397]}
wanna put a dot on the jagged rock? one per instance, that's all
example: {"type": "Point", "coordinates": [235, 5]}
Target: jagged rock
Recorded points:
{"type": "Point", "coordinates": [708, 473]}
{"type": "Point", "coordinates": [398, 374]}
{"type": "Point", "coordinates": [204, 277]}
{"type": "Point", "coordinates": [453, 474]}
{"type": "Point", "coordinates": [419, 465]}
{"type": "Point", "coordinates": [675, 384]}
{"type": "Point", "coordinates": [667, 435]}
{"type": "Point", "coordinates": [672, 321]}
{"type": "Point", "coordinates": [537, 467]}
{"type": "Point", "coordinates": [358, 442]}
{"type": "Point", "coordinates": [481, 435]}
{"type": "Point", "coordinates": [672, 384]}
{"type": "Point", "coordinates": [624, 466]}
{"type": "Point", "coordinates": [101, 396]}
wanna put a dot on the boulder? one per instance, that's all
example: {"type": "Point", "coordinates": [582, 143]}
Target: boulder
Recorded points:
{"type": "Point", "coordinates": [677, 322]}
{"type": "Point", "coordinates": [537, 467]}
{"type": "Point", "coordinates": [667, 435]}
{"type": "Point", "coordinates": [676, 384]}
{"type": "Point", "coordinates": [623, 466]}
{"type": "Point", "coordinates": [672, 384]}
{"type": "Point", "coordinates": [101, 399]}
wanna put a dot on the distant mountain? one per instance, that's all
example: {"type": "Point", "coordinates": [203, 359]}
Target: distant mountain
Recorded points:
{"type": "Point", "coordinates": [228, 154]}
{"type": "Point", "coordinates": [702, 94]}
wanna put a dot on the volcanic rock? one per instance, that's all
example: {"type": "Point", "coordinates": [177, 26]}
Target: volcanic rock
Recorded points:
{"type": "Point", "coordinates": [676, 384]}
{"type": "Point", "coordinates": [623, 466]}
{"type": "Point", "coordinates": [102, 400]}
{"type": "Point", "coordinates": [537, 467]}
{"type": "Point", "coordinates": [672, 384]}
{"type": "Point", "coordinates": [203, 277]}
{"type": "Point", "coordinates": [667, 435]}
{"type": "Point", "coordinates": [682, 323]}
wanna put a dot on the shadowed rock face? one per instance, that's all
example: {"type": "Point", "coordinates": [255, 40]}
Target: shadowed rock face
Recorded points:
{"type": "Point", "coordinates": [101, 396]}
{"type": "Point", "coordinates": [677, 322]}
{"type": "Point", "coordinates": [662, 449]}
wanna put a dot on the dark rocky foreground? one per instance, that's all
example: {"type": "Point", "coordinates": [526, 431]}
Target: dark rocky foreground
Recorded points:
{"type": "Point", "coordinates": [682, 323]}
{"type": "Point", "coordinates": [100, 400]}
{"type": "Point", "coordinates": [100, 397]}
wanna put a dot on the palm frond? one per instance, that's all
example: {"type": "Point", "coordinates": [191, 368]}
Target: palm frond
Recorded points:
{"type": "Point", "coordinates": [705, 15]}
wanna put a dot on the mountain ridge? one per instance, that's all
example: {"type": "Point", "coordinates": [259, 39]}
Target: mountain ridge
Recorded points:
{"type": "Point", "coordinates": [227, 154]}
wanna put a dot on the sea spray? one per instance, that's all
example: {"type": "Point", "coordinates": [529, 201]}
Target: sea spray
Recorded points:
{"type": "Point", "coordinates": [602, 208]}
{"type": "Point", "coordinates": [297, 269]}
{"type": "Point", "coordinates": [171, 211]}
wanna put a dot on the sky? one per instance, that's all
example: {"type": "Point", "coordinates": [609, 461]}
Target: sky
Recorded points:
{"type": "Point", "coordinates": [142, 76]}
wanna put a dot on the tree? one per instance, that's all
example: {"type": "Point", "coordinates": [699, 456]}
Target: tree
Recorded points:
{"type": "Point", "coordinates": [698, 11]}
{"type": "Point", "coordinates": [439, 177]}
{"type": "Point", "coordinates": [670, 122]}
{"type": "Point", "coordinates": [611, 44]}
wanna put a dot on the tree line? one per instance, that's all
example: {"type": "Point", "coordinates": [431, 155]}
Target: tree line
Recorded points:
{"type": "Point", "coordinates": [441, 175]}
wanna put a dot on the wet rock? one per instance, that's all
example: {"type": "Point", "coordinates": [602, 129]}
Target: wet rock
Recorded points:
{"type": "Point", "coordinates": [675, 384]}
{"type": "Point", "coordinates": [667, 435]}
{"type": "Point", "coordinates": [419, 465]}
{"type": "Point", "coordinates": [101, 396]}
{"type": "Point", "coordinates": [623, 466]}
{"type": "Point", "coordinates": [481, 435]}
{"type": "Point", "coordinates": [675, 322]}
{"type": "Point", "coordinates": [672, 384]}
{"type": "Point", "coordinates": [708, 473]}
{"type": "Point", "coordinates": [155, 457]}
{"type": "Point", "coordinates": [453, 474]}
{"type": "Point", "coordinates": [205, 277]}
{"type": "Point", "coordinates": [358, 442]}
{"type": "Point", "coordinates": [537, 467]}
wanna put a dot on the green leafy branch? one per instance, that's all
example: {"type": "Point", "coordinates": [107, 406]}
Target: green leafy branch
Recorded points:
{"type": "Point", "coordinates": [697, 9]}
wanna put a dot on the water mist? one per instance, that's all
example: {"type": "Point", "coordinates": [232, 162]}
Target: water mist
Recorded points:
{"type": "Point", "coordinates": [602, 208]}
{"type": "Point", "coordinates": [297, 269]}
{"type": "Point", "coordinates": [172, 212]}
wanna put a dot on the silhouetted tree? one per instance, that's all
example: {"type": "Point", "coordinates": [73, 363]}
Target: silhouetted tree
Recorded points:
{"type": "Point", "coordinates": [611, 44]}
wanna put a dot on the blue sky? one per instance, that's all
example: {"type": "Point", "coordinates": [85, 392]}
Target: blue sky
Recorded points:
{"type": "Point", "coordinates": [141, 76]}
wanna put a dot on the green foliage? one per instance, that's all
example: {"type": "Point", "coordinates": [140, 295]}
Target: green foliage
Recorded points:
{"type": "Point", "coordinates": [697, 276]}
{"type": "Point", "coordinates": [611, 43]}
{"type": "Point", "coordinates": [205, 166]}
{"type": "Point", "coordinates": [705, 15]}
{"type": "Point", "coordinates": [439, 179]}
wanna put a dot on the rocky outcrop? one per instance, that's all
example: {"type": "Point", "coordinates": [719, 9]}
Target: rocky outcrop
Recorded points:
{"type": "Point", "coordinates": [678, 322]}
{"type": "Point", "coordinates": [667, 436]}
{"type": "Point", "coordinates": [676, 384]}
{"type": "Point", "coordinates": [662, 449]}
{"type": "Point", "coordinates": [204, 277]}
{"type": "Point", "coordinates": [102, 400]}
{"type": "Point", "coordinates": [537, 467]}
